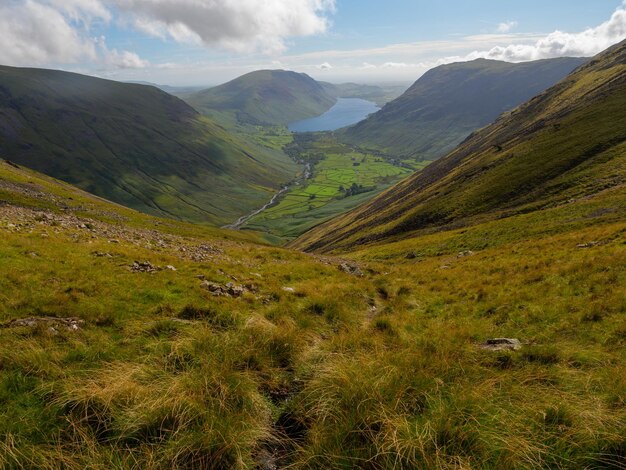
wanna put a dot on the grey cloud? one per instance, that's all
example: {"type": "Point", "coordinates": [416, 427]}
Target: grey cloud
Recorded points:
{"type": "Point", "coordinates": [240, 25]}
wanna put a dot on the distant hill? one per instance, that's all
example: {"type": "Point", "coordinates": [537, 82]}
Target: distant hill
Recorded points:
{"type": "Point", "coordinates": [449, 102]}
{"type": "Point", "coordinates": [265, 97]}
{"type": "Point", "coordinates": [133, 144]}
{"type": "Point", "coordinates": [172, 90]}
{"type": "Point", "coordinates": [567, 144]}
{"type": "Point", "coordinates": [379, 94]}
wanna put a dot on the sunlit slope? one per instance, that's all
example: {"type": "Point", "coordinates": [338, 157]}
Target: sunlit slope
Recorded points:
{"type": "Point", "coordinates": [320, 362]}
{"type": "Point", "coordinates": [449, 102]}
{"type": "Point", "coordinates": [133, 144]}
{"type": "Point", "coordinates": [567, 143]}
{"type": "Point", "coordinates": [264, 97]}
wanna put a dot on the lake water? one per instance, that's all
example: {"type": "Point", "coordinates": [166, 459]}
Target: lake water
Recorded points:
{"type": "Point", "coordinates": [345, 112]}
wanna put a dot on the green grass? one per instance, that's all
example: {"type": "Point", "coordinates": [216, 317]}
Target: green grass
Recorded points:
{"type": "Point", "coordinates": [563, 146]}
{"type": "Point", "coordinates": [379, 371]}
{"type": "Point", "coordinates": [135, 145]}
{"type": "Point", "coordinates": [314, 367]}
{"type": "Point", "coordinates": [324, 195]}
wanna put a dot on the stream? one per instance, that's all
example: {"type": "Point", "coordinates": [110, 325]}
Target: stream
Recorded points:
{"type": "Point", "coordinates": [241, 221]}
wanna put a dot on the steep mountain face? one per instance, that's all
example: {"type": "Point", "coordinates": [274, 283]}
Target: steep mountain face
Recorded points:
{"type": "Point", "coordinates": [133, 144]}
{"type": "Point", "coordinates": [565, 144]}
{"type": "Point", "coordinates": [265, 97]}
{"type": "Point", "coordinates": [449, 102]}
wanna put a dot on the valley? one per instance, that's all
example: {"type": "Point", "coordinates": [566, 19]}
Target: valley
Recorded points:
{"type": "Point", "coordinates": [341, 178]}
{"type": "Point", "coordinates": [136, 145]}
{"type": "Point", "coordinates": [314, 265]}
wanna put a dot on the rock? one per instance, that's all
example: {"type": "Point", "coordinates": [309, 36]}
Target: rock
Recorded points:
{"type": "Point", "coordinates": [444, 266]}
{"type": "Point", "coordinates": [102, 254]}
{"type": "Point", "coordinates": [350, 269]}
{"type": "Point", "coordinates": [501, 344]}
{"type": "Point", "coordinates": [288, 289]}
{"type": "Point", "coordinates": [587, 245]}
{"type": "Point", "coordinates": [250, 287]}
{"type": "Point", "coordinates": [143, 267]}
{"type": "Point", "coordinates": [234, 290]}
{"type": "Point", "coordinates": [114, 241]}
{"type": "Point", "coordinates": [463, 254]}
{"type": "Point", "coordinates": [411, 255]}
{"type": "Point", "coordinates": [70, 323]}
{"type": "Point", "coordinates": [229, 290]}
{"type": "Point", "coordinates": [170, 268]}
{"type": "Point", "coordinates": [212, 287]}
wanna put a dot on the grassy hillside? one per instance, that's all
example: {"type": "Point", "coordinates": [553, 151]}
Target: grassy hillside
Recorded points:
{"type": "Point", "coordinates": [566, 144]}
{"type": "Point", "coordinates": [134, 144]}
{"type": "Point", "coordinates": [113, 359]}
{"type": "Point", "coordinates": [264, 97]}
{"type": "Point", "coordinates": [449, 102]}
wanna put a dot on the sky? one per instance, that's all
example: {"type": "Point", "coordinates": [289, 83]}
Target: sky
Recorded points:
{"type": "Point", "coordinates": [207, 42]}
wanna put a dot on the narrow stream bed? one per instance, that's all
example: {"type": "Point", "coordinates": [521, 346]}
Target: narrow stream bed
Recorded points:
{"type": "Point", "coordinates": [241, 221]}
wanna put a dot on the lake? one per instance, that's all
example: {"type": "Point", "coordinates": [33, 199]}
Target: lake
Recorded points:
{"type": "Point", "coordinates": [345, 112]}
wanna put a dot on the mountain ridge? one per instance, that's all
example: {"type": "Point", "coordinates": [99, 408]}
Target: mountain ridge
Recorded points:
{"type": "Point", "coordinates": [449, 102]}
{"type": "Point", "coordinates": [265, 97]}
{"type": "Point", "coordinates": [134, 144]}
{"type": "Point", "coordinates": [529, 158]}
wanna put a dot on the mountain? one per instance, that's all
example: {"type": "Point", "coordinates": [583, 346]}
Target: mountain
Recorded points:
{"type": "Point", "coordinates": [567, 144]}
{"type": "Point", "coordinates": [379, 94]}
{"type": "Point", "coordinates": [449, 102]}
{"type": "Point", "coordinates": [265, 97]}
{"type": "Point", "coordinates": [135, 145]}
{"type": "Point", "coordinates": [172, 90]}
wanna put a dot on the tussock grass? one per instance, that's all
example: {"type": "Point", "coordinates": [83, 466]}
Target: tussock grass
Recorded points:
{"type": "Point", "coordinates": [379, 371]}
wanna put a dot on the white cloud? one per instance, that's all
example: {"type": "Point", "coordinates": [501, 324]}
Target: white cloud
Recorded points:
{"type": "Point", "coordinates": [123, 60]}
{"type": "Point", "coordinates": [45, 32]}
{"type": "Point", "coordinates": [558, 44]}
{"type": "Point", "coordinates": [34, 33]}
{"type": "Point", "coordinates": [325, 66]}
{"type": "Point", "coordinates": [81, 10]}
{"type": "Point", "coordinates": [395, 65]}
{"type": "Point", "coordinates": [506, 26]}
{"type": "Point", "coordinates": [239, 25]}
{"type": "Point", "coordinates": [408, 61]}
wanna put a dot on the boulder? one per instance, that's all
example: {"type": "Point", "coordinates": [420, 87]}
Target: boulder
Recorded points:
{"type": "Point", "coordinates": [143, 267]}
{"type": "Point", "coordinates": [501, 344]}
{"type": "Point", "coordinates": [351, 269]}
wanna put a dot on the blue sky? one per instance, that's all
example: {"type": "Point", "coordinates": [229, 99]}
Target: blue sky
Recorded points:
{"type": "Point", "coordinates": [205, 42]}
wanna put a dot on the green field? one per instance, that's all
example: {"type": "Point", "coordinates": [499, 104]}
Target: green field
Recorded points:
{"type": "Point", "coordinates": [342, 178]}
{"type": "Point", "coordinates": [275, 138]}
